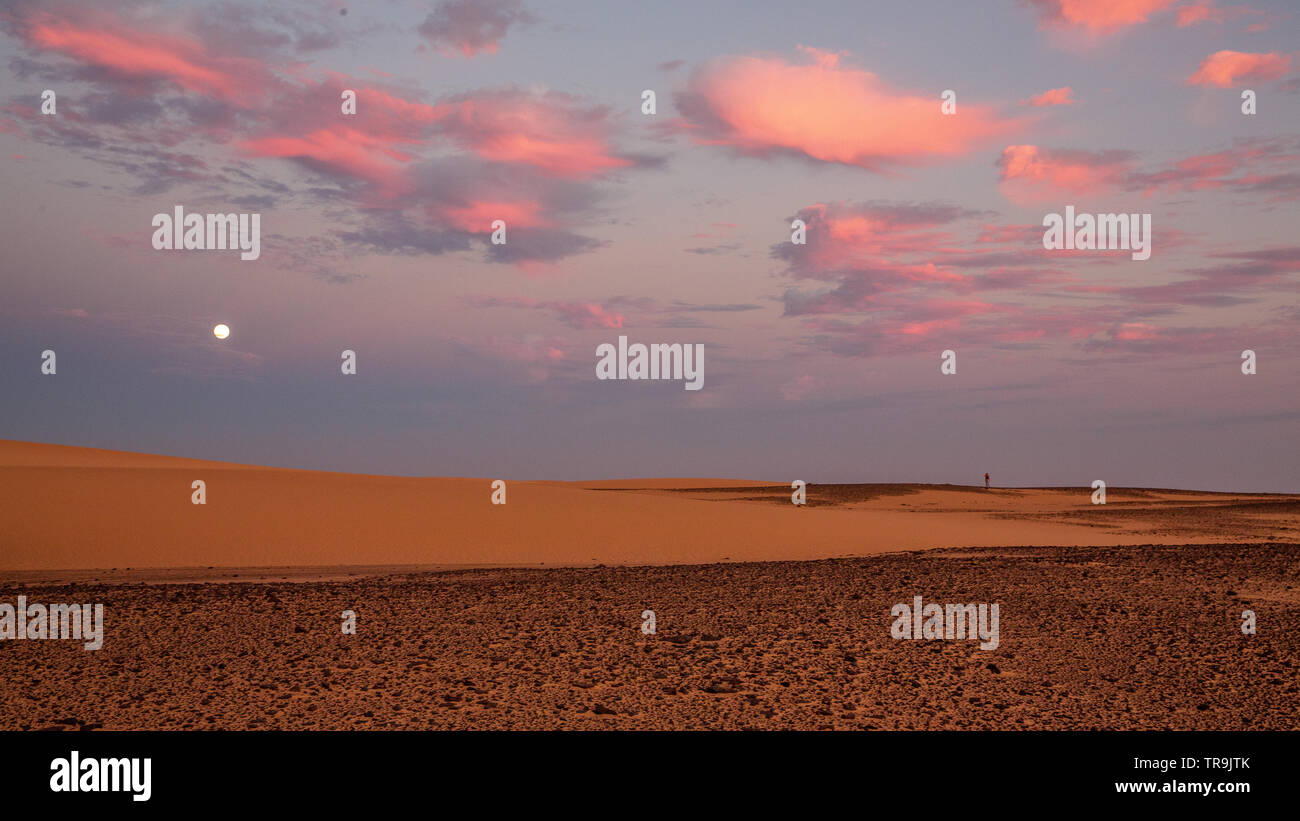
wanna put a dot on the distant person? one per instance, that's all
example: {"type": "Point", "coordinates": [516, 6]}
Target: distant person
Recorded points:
{"type": "Point", "coordinates": [986, 481]}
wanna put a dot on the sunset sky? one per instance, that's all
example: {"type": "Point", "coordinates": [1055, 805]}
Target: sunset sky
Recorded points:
{"type": "Point", "coordinates": [821, 361]}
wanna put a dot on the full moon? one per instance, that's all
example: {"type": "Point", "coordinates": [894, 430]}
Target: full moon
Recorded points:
{"type": "Point", "coordinates": [221, 331]}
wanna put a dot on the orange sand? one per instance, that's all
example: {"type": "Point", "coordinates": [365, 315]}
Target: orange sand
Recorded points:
{"type": "Point", "coordinates": [65, 508]}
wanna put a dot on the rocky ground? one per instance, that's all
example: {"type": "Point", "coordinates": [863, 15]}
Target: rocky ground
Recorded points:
{"type": "Point", "coordinates": [1090, 638]}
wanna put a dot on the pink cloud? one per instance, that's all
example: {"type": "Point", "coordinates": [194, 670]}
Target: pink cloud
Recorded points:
{"type": "Point", "coordinates": [1205, 11]}
{"type": "Point", "coordinates": [340, 148]}
{"type": "Point", "coordinates": [1136, 330]}
{"type": "Point", "coordinates": [1265, 166]}
{"type": "Point", "coordinates": [901, 264]}
{"type": "Point", "coordinates": [585, 315]}
{"type": "Point", "coordinates": [909, 294]}
{"type": "Point", "coordinates": [1098, 17]}
{"type": "Point", "coordinates": [552, 132]}
{"type": "Point", "coordinates": [457, 164]}
{"type": "Point", "coordinates": [827, 111]}
{"type": "Point", "coordinates": [580, 315]}
{"type": "Point", "coordinates": [1028, 173]}
{"type": "Point", "coordinates": [1056, 96]}
{"type": "Point", "coordinates": [478, 216]}
{"type": "Point", "coordinates": [1202, 12]}
{"type": "Point", "coordinates": [1224, 69]}
{"type": "Point", "coordinates": [100, 41]}
{"type": "Point", "coordinates": [842, 235]}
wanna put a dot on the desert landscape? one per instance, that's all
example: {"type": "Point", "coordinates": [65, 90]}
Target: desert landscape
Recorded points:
{"type": "Point", "coordinates": [1143, 637]}
{"type": "Point", "coordinates": [67, 508]}
{"type": "Point", "coordinates": [529, 615]}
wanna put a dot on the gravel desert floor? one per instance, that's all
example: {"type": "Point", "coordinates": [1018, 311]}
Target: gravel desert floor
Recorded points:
{"type": "Point", "coordinates": [1145, 637]}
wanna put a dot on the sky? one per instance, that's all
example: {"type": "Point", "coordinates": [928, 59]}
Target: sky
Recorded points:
{"type": "Point", "coordinates": [924, 234]}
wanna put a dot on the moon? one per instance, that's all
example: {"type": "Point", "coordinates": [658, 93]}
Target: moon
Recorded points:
{"type": "Point", "coordinates": [221, 331]}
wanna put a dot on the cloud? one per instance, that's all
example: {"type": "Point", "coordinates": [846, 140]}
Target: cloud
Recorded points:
{"type": "Point", "coordinates": [348, 151]}
{"type": "Point", "coordinates": [894, 278]}
{"type": "Point", "coordinates": [612, 312]}
{"type": "Point", "coordinates": [138, 55]}
{"type": "Point", "coordinates": [1056, 96]}
{"type": "Point", "coordinates": [541, 245]}
{"type": "Point", "coordinates": [873, 254]}
{"type": "Point", "coordinates": [882, 256]}
{"type": "Point", "coordinates": [478, 216]}
{"type": "Point", "coordinates": [1000, 234]}
{"type": "Point", "coordinates": [728, 307]}
{"type": "Point", "coordinates": [849, 233]}
{"type": "Point", "coordinates": [1205, 11]}
{"type": "Point", "coordinates": [1028, 173]}
{"type": "Point", "coordinates": [450, 203]}
{"type": "Point", "coordinates": [1263, 165]}
{"type": "Point", "coordinates": [394, 233]}
{"type": "Point", "coordinates": [1224, 69]}
{"type": "Point", "coordinates": [531, 357]}
{"type": "Point", "coordinates": [585, 315]}
{"type": "Point", "coordinates": [1255, 165]}
{"type": "Point", "coordinates": [552, 131]}
{"type": "Point", "coordinates": [323, 257]}
{"type": "Point", "coordinates": [427, 177]}
{"type": "Point", "coordinates": [713, 250]}
{"type": "Point", "coordinates": [1098, 17]}
{"type": "Point", "coordinates": [473, 26]}
{"type": "Point", "coordinates": [579, 315]}
{"type": "Point", "coordinates": [1245, 275]}
{"type": "Point", "coordinates": [825, 111]}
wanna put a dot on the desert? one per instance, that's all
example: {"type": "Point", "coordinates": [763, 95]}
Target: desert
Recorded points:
{"type": "Point", "coordinates": [528, 615]}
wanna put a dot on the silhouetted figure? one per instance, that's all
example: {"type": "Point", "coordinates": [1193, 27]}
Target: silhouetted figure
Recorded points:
{"type": "Point", "coordinates": [986, 481]}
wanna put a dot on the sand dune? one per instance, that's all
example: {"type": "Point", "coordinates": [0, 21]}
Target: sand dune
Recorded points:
{"type": "Point", "coordinates": [73, 508]}
{"type": "Point", "coordinates": [39, 454]}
